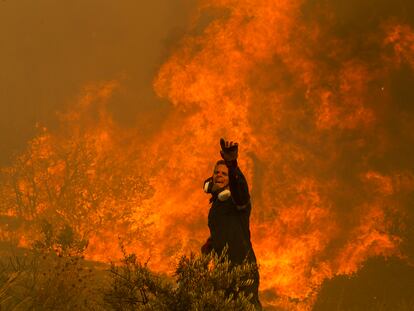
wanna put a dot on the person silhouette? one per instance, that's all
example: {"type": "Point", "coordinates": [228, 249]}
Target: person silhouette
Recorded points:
{"type": "Point", "coordinates": [229, 214]}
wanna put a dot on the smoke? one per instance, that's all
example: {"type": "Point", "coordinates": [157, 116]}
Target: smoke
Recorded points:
{"type": "Point", "coordinates": [50, 51]}
{"type": "Point", "coordinates": [318, 94]}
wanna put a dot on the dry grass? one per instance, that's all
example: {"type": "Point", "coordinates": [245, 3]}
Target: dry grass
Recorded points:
{"type": "Point", "coordinates": [49, 282]}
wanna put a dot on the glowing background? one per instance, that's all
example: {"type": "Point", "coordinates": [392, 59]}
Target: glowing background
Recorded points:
{"type": "Point", "coordinates": [318, 94]}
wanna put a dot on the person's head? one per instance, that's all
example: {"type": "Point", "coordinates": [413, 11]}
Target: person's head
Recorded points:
{"type": "Point", "coordinates": [220, 176]}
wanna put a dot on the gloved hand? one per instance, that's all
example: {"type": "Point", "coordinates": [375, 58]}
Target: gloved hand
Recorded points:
{"type": "Point", "coordinates": [229, 150]}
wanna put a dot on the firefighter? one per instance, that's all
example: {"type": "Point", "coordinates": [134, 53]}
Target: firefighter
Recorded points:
{"type": "Point", "coordinates": [228, 218]}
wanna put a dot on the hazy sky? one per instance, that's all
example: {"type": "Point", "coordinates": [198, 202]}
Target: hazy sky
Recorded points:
{"type": "Point", "coordinates": [50, 49]}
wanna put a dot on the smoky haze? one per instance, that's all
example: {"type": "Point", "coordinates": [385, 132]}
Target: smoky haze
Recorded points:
{"type": "Point", "coordinates": [318, 93]}
{"type": "Point", "coordinates": [51, 49]}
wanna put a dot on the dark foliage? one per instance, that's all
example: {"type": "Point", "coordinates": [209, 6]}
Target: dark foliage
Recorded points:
{"type": "Point", "coordinates": [206, 282]}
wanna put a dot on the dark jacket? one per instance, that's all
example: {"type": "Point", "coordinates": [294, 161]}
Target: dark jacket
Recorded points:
{"type": "Point", "coordinates": [229, 224]}
{"type": "Point", "coordinates": [229, 220]}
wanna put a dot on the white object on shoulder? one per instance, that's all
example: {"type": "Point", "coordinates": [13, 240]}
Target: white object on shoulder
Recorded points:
{"type": "Point", "coordinates": [224, 195]}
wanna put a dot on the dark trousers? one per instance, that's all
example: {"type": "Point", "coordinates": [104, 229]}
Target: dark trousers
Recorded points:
{"type": "Point", "coordinates": [254, 290]}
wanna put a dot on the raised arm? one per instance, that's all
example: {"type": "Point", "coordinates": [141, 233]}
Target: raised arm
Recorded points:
{"type": "Point", "coordinates": [237, 182]}
{"type": "Point", "coordinates": [238, 185]}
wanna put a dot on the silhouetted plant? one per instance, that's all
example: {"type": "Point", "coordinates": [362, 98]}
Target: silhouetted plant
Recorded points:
{"type": "Point", "coordinates": [69, 180]}
{"type": "Point", "coordinates": [206, 282]}
{"type": "Point", "coordinates": [52, 276]}
{"type": "Point", "coordinates": [62, 241]}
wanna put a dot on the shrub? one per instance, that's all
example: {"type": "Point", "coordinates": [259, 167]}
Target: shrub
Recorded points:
{"type": "Point", "coordinates": [51, 276]}
{"type": "Point", "coordinates": [206, 282]}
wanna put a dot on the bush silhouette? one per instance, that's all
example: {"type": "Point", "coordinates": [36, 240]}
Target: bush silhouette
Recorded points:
{"type": "Point", "coordinates": [205, 282]}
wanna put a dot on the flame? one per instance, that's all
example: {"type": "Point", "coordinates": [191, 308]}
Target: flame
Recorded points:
{"type": "Point", "coordinates": [254, 74]}
{"type": "Point", "coordinates": [311, 117]}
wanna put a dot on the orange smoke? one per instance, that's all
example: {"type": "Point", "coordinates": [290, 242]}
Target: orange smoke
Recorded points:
{"type": "Point", "coordinates": [314, 120]}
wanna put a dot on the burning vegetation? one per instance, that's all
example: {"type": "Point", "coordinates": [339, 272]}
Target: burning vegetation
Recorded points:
{"type": "Point", "coordinates": [321, 104]}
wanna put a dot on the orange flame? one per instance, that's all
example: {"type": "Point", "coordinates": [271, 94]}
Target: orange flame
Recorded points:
{"type": "Point", "coordinates": [311, 119]}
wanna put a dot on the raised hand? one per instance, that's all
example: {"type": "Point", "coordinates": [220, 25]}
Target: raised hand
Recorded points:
{"type": "Point", "coordinates": [229, 150]}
